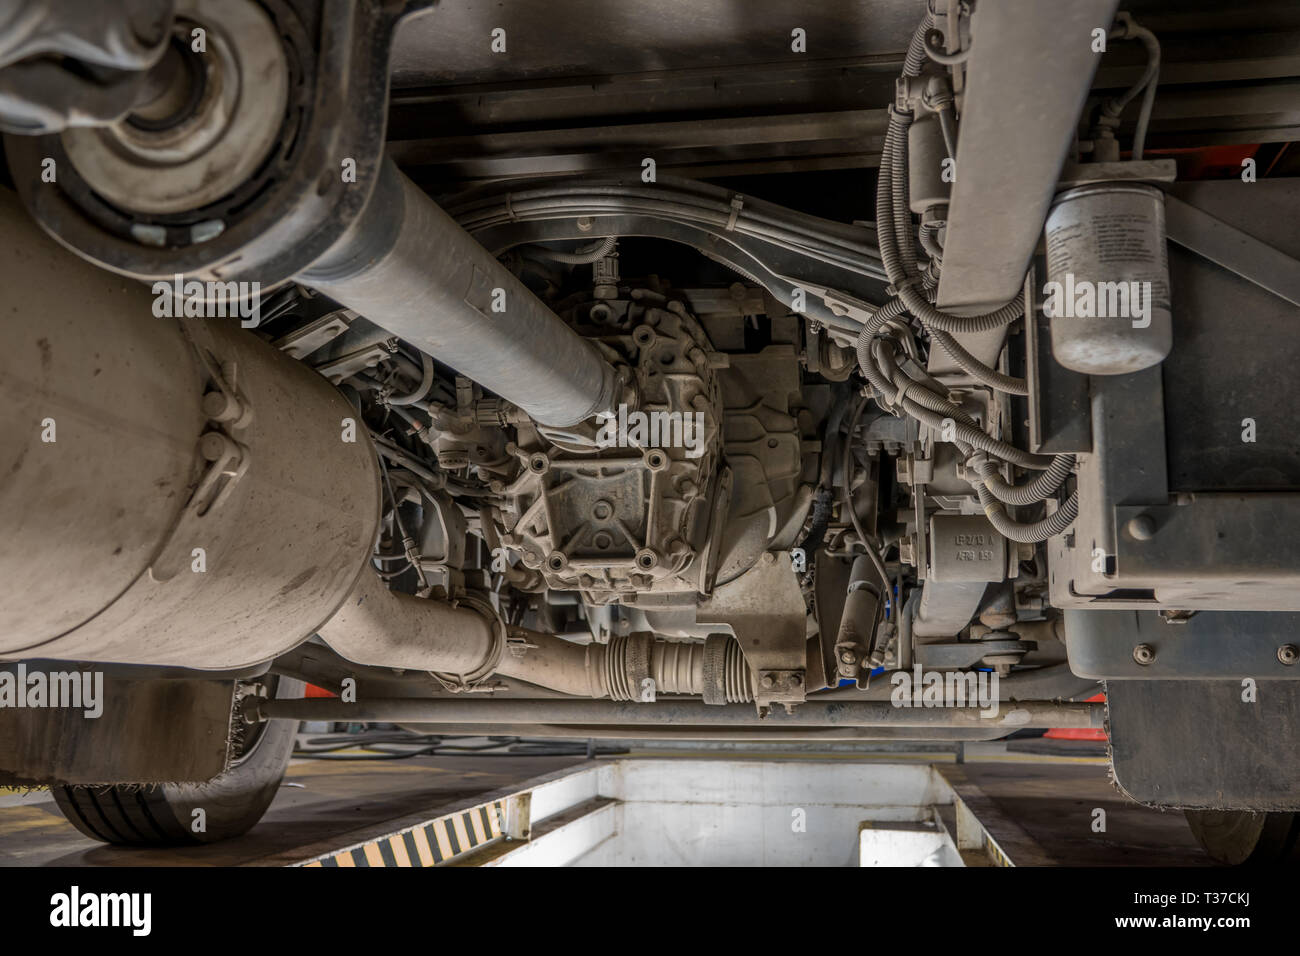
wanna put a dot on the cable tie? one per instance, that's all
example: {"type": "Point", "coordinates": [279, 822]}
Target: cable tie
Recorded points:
{"type": "Point", "coordinates": [903, 390]}
{"type": "Point", "coordinates": [895, 289]}
{"type": "Point", "coordinates": [737, 203]}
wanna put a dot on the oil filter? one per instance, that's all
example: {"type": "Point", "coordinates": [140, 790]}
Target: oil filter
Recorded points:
{"type": "Point", "coordinates": [1107, 294]}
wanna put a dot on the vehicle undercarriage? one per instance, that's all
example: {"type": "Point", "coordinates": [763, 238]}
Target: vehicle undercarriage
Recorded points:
{"type": "Point", "coordinates": [691, 378]}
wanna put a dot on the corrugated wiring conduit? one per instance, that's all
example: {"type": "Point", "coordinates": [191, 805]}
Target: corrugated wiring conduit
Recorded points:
{"type": "Point", "coordinates": [913, 293]}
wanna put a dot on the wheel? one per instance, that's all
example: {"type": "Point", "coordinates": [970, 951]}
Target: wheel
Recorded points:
{"type": "Point", "coordinates": [163, 814]}
{"type": "Point", "coordinates": [1238, 837]}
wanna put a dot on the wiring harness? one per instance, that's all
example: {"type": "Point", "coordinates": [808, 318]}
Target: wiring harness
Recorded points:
{"type": "Point", "coordinates": [887, 350]}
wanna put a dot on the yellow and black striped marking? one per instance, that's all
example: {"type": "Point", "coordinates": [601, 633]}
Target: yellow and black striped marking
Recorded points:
{"type": "Point", "coordinates": [995, 852]}
{"type": "Point", "coordinates": [427, 844]}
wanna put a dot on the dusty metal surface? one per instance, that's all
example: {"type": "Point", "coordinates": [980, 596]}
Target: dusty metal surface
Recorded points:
{"type": "Point", "coordinates": [109, 492]}
{"type": "Point", "coordinates": [462, 341]}
{"type": "Point", "coordinates": [1207, 645]}
{"type": "Point", "coordinates": [694, 84]}
{"type": "Point", "coordinates": [146, 732]}
{"type": "Point", "coordinates": [1030, 69]}
{"type": "Point", "coordinates": [1207, 743]}
{"type": "Point", "coordinates": [670, 711]}
{"type": "Point", "coordinates": [453, 41]}
{"type": "Point", "coordinates": [462, 306]}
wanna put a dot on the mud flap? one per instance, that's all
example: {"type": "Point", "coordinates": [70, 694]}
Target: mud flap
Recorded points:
{"type": "Point", "coordinates": [146, 731]}
{"type": "Point", "coordinates": [1197, 744]}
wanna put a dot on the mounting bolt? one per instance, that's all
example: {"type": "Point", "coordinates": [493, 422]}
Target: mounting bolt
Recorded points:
{"type": "Point", "coordinates": [1288, 654]}
{"type": "Point", "coordinates": [848, 657]}
{"type": "Point", "coordinates": [212, 445]}
{"type": "Point", "coordinates": [766, 682]}
{"type": "Point", "coordinates": [221, 407]}
{"type": "Point", "coordinates": [1144, 654]}
{"type": "Point", "coordinates": [1142, 527]}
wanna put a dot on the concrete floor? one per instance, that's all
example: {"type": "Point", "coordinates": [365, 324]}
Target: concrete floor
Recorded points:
{"type": "Point", "coordinates": [319, 802]}
{"type": "Point", "coordinates": [1039, 808]}
{"type": "Point", "coordinates": [1044, 814]}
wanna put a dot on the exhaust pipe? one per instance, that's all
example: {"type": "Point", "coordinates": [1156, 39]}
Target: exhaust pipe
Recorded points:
{"type": "Point", "coordinates": [383, 628]}
{"type": "Point", "coordinates": [635, 667]}
{"type": "Point", "coordinates": [179, 493]}
{"type": "Point", "coordinates": [467, 642]}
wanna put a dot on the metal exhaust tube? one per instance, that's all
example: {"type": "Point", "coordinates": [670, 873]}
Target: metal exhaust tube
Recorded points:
{"type": "Point", "coordinates": [465, 643]}
{"type": "Point", "coordinates": [631, 667]}
{"type": "Point", "coordinates": [383, 628]}
{"type": "Point", "coordinates": [410, 268]}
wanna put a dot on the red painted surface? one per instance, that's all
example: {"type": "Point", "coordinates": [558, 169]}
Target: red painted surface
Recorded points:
{"type": "Point", "coordinates": [1078, 733]}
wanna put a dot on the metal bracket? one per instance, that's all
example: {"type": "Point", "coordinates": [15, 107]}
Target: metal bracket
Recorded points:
{"type": "Point", "coordinates": [304, 341]}
{"type": "Point", "coordinates": [962, 655]}
{"type": "Point", "coordinates": [1269, 268]}
{"type": "Point", "coordinates": [1210, 645]}
{"type": "Point", "coordinates": [764, 608]}
{"type": "Point", "coordinates": [348, 365]}
{"type": "Point", "coordinates": [229, 461]}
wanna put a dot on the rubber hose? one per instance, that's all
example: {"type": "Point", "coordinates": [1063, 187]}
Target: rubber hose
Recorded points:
{"type": "Point", "coordinates": [929, 238]}
{"type": "Point", "coordinates": [916, 47]}
{"type": "Point", "coordinates": [883, 386]}
{"type": "Point", "coordinates": [580, 258]}
{"type": "Point", "coordinates": [867, 543]}
{"type": "Point", "coordinates": [977, 369]}
{"type": "Point", "coordinates": [930, 399]}
{"type": "Point", "coordinates": [1032, 492]}
{"type": "Point", "coordinates": [893, 227]}
{"type": "Point", "coordinates": [902, 211]}
{"type": "Point", "coordinates": [421, 390]}
{"type": "Point", "coordinates": [974, 436]}
{"type": "Point", "coordinates": [1048, 527]}
{"type": "Point", "coordinates": [821, 519]}
{"type": "Point", "coordinates": [886, 238]}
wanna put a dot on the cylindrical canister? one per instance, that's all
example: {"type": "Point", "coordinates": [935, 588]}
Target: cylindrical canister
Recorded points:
{"type": "Point", "coordinates": [138, 528]}
{"type": "Point", "coordinates": [1107, 290]}
{"type": "Point", "coordinates": [926, 153]}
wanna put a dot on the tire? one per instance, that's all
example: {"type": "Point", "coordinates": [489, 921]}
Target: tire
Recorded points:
{"type": "Point", "coordinates": [1245, 838]}
{"type": "Point", "coordinates": [162, 814]}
